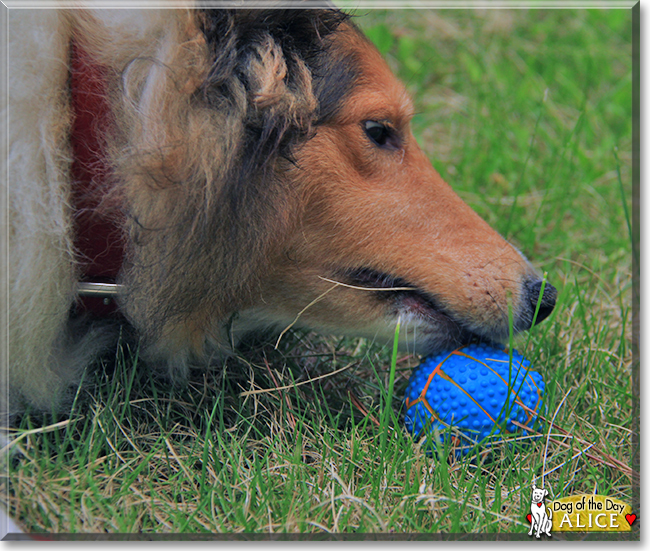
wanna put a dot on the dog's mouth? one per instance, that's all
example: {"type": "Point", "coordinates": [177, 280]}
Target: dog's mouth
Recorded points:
{"type": "Point", "coordinates": [394, 290]}
{"type": "Point", "coordinates": [402, 297]}
{"type": "Point", "coordinates": [439, 328]}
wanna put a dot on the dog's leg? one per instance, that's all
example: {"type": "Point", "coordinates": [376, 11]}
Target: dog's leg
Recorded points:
{"type": "Point", "coordinates": [549, 522]}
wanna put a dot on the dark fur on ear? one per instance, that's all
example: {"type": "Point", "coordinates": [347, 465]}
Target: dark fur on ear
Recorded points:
{"type": "Point", "coordinates": [295, 46]}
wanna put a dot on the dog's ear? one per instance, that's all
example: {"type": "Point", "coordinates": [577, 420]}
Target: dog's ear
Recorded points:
{"type": "Point", "coordinates": [267, 51]}
{"type": "Point", "coordinates": [263, 67]}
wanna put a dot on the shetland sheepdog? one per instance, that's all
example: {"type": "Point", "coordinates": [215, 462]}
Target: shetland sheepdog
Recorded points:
{"type": "Point", "coordinates": [197, 174]}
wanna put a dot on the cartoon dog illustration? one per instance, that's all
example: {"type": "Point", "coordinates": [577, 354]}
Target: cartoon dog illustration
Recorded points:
{"type": "Point", "coordinates": [540, 521]}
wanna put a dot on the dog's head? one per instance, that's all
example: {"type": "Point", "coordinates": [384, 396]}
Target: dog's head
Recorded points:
{"type": "Point", "coordinates": [376, 215]}
{"type": "Point", "coordinates": [311, 198]}
{"type": "Point", "coordinates": [539, 494]}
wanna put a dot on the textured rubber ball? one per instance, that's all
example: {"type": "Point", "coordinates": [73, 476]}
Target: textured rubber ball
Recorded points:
{"type": "Point", "coordinates": [477, 390]}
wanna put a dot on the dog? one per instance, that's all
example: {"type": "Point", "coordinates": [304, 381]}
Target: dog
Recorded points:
{"type": "Point", "coordinates": [540, 522]}
{"type": "Point", "coordinates": [212, 172]}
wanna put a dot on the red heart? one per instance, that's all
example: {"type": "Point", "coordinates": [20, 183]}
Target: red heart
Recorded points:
{"type": "Point", "coordinates": [540, 504]}
{"type": "Point", "coordinates": [529, 517]}
{"type": "Point", "coordinates": [630, 519]}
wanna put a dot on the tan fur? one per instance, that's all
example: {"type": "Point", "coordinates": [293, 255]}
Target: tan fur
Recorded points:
{"type": "Point", "coordinates": [193, 286]}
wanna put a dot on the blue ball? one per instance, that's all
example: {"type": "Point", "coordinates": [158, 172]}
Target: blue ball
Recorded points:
{"type": "Point", "coordinates": [475, 391]}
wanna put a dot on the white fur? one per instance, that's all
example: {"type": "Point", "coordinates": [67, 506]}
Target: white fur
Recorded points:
{"type": "Point", "coordinates": [41, 272]}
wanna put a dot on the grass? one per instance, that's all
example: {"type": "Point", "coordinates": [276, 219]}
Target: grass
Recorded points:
{"type": "Point", "coordinates": [528, 115]}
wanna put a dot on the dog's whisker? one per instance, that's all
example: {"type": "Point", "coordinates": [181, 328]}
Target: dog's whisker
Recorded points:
{"type": "Point", "coordinates": [358, 287]}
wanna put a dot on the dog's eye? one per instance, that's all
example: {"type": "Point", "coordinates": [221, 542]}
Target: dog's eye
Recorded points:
{"type": "Point", "coordinates": [379, 133]}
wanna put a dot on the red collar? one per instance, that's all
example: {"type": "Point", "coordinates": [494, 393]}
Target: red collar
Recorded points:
{"type": "Point", "coordinates": [99, 241]}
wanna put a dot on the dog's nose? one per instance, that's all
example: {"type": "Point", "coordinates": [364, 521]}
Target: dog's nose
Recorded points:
{"type": "Point", "coordinates": [546, 301]}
